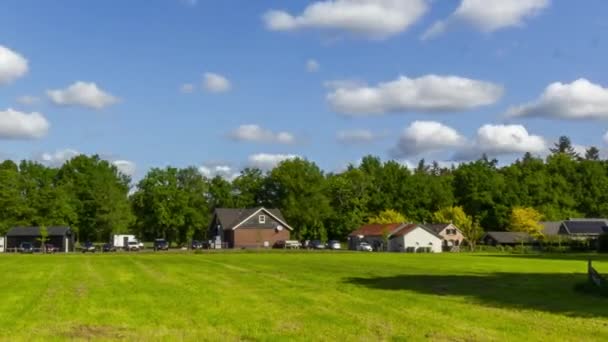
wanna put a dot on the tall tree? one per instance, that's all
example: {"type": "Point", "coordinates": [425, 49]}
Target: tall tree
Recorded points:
{"type": "Point", "coordinates": [388, 216]}
{"type": "Point", "coordinates": [564, 146]}
{"type": "Point", "coordinates": [592, 153]}
{"type": "Point", "coordinates": [297, 187]}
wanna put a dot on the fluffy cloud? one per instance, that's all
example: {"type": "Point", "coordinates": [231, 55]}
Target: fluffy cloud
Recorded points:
{"type": "Point", "coordinates": [84, 94]}
{"type": "Point", "coordinates": [12, 65]}
{"type": "Point", "coordinates": [255, 133]}
{"type": "Point", "coordinates": [430, 93]}
{"type": "Point", "coordinates": [19, 125]}
{"type": "Point", "coordinates": [489, 15]}
{"type": "Point", "coordinates": [580, 99]}
{"type": "Point", "coordinates": [357, 136]}
{"type": "Point", "coordinates": [266, 161]}
{"type": "Point", "coordinates": [57, 158]}
{"type": "Point", "coordinates": [28, 100]}
{"type": "Point", "coordinates": [368, 18]}
{"type": "Point", "coordinates": [496, 140]}
{"type": "Point", "coordinates": [426, 136]}
{"type": "Point", "coordinates": [211, 170]}
{"type": "Point", "coordinates": [187, 88]}
{"type": "Point", "coordinates": [216, 83]}
{"type": "Point", "coordinates": [125, 167]}
{"type": "Point", "coordinates": [312, 65]}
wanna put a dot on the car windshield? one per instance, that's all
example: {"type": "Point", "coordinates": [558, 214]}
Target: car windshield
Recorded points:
{"type": "Point", "coordinates": [26, 245]}
{"type": "Point", "coordinates": [133, 243]}
{"type": "Point", "coordinates": [364, 244]}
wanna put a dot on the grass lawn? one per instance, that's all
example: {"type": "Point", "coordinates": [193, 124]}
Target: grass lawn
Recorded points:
{"type": "Point", "coordinates": [299, 296]}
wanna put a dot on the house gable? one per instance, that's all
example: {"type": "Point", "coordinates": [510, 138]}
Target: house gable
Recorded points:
{"type": "Point", "coordinates": [270, 220]}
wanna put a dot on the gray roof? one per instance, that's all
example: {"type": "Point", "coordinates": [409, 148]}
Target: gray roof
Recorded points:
{"type": "Point", "coordinates": [586, 226]}
{"type": "Point", "coordinates": [509, 237]}
{"type": "Point", "coordinates": [437, 227]}
{"type": "Point", "coordinates": [551, 227]}
{"type": "Point", "coordinates": [35, 231]}
{"type": "Point", "coordinates": [230, 217]}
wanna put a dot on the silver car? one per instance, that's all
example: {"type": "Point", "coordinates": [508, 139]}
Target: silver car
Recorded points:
{"type": "Point", "coordinates": [364, 246]}
{"type": "Point", "coordinates": [334, 244]}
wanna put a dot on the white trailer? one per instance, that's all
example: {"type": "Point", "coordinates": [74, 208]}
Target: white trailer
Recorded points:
{"type": "Point", "coordinates": [121, 241]}
{"type": "Point", "coordinates": [2, 248]}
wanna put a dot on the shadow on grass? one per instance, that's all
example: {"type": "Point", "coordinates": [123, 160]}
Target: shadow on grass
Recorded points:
{"type": "Point", "coordinates": [550, 256]}
{"type": "Point", "coordinates": [555, 293]}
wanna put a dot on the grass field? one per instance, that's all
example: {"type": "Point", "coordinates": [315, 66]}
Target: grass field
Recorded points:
{"type": "Point", "coordinates": [299, 296]}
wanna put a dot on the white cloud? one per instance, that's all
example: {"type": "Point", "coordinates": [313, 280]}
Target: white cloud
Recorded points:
{"type": "Point", "coordinates": [312, 65]}
{"type": "Point", "coordinates": [266, 161]}
{"type": "Point", "coordinates": [19, 125]}
{"type": "Point", "coordinates": [58, 158]}
{"type": "Point", "coordinates": [367, 18]}
{"type": "Point", "coordinates": [489, 15]}
{"type": "Point", "coordinates": [496, 140]}
{"type": "Point", "coordinates": [84, 94]}
{"type": "Point", "coordinates": [28, 100]}
{"type": "Point", "coordinates": [430, 93]}
{"type": "Point", "coordinates": [256, 133]}
{"type": "Point", "coordinates": [580, 99]}
{"type": "Point", "coordinates": [12, 65]}
{"type": "Point", "coordinates": [211, 170]}
{"type": "Point", "coordinates": [216, 83]}
{"type": "Point", "coordinates": [126, 167]}
{"type": "Point", "coordinates": [427, 136]}
{"type": "Point", "coordinates": [357, 136]}
{"type": "Point", "coordinates": [187, 88]}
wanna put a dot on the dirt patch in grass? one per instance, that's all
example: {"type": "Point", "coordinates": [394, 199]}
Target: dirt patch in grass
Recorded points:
{"type": "Point", "coordinates": [94, 332]}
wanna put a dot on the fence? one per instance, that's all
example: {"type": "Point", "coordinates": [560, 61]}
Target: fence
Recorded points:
{"type": "Point", "coordinates": [595, 277]}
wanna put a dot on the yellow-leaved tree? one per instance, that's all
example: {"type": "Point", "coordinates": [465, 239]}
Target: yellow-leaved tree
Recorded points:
{"type": "Point", "coordinates": [525, 219]}
{"type": "Point", "coordinates": [387, 216]}
{"type": "Point", "coordinates": [456, 215]}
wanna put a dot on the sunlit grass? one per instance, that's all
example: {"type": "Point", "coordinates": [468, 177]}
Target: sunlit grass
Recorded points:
{"type": "Point", "coordinates": [298, 296]}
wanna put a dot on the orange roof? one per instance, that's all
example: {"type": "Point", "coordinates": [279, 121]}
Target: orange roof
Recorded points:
{"type": "Point", "coordinates": [376, 229]}
{"type": "Point", "coordinates": [405, 230]}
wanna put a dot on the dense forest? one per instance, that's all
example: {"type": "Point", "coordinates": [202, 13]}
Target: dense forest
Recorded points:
{"type": "Point", "coordinates": [94, 198]}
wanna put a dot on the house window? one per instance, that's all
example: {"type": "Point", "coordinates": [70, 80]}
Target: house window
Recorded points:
{"type": "Point", "coordinates": [262, 219]}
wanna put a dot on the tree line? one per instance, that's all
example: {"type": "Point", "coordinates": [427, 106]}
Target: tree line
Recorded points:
{"type": "Point", "coordinates": [96, 200]}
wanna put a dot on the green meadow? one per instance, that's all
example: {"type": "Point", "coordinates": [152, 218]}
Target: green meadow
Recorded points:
{"type": "Point", "coordinates": [303, 296]}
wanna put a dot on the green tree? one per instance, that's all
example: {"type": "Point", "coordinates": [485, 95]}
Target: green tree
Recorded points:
{"type": "Point", "coordinates": [564, 146]}
{"type": "Point", "coordinates": [470, 229]}
{"type": "Point", "coordinates": [297, 187]}
{"type": "Point", "coordinates": [592, 153]}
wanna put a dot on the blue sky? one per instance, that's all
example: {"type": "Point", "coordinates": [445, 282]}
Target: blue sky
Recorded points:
{"type": "Point", "coordinates": [388, 82]}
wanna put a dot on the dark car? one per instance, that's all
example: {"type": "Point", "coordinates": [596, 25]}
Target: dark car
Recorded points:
{"type": "Point", "coordinates": [161, 245]}
{"type": "Point", "coordinates": [196, 245]}
{"type": "Point", "coordinates": [108, 247]}
{"type": "Point", "coordinates": [88, 247]}
{"type": "Point", "coordinates": [26, 247]}
{"type": "Point", "coordinates": [49, 248]}
{"type": "Point", "coordinates": [316, 244]}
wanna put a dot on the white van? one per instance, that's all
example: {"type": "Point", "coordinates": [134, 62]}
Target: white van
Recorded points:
{"type": "Point", "coordinates": [2, 239]}
{"type": "Point", "coordinates": [125, 241]}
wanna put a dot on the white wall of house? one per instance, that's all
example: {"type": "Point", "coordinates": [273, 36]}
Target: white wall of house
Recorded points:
{"type": "Point", "coordinates": [416, 238]}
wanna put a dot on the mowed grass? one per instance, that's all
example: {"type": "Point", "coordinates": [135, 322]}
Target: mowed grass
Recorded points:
{"type": "Point", "coordinates": [298, 296]}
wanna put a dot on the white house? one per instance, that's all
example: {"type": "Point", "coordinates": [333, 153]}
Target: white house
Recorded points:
{"type": "Point", "coordinates": [415, 238]}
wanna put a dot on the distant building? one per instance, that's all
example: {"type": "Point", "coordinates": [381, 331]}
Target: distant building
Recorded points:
{"type": "Point", "coordinates": [450, 234]}
{"type": "Point", "coordinates": [248, 228]}
{"type": "Point", "coordinates": [61, 238]}
{"type": "Point", "coordinates": [507, 239]}
{"type": "Point", "coordinates": [396, 237]}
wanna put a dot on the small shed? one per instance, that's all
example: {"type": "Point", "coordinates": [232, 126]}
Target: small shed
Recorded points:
{"type": "Point", "coordinates": [415, 238]}
{"type": "Point", "coordinates": [60, 237]}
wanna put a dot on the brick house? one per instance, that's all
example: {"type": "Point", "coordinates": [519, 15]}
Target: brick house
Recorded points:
{"type": "Point", "coordinates": [248, 227]}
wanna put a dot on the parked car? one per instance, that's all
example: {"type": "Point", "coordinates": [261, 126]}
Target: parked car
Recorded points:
{"type": "Point", "coordinates": [316, 244]}
{"type": "Point", "coordinates": [49, 248]}
{"type": "Point", "coordinates": [88, 247]}
{"type": "Point", "coordinates": [334, 244]}
{"type": "Point", "coordinates": [364, 246]}
{"type": "Point", "coordinates": [133, 246]}
{"type": "Point", "coordinates": [196, 245]}
{"type": "Point", "coordinates": [26, 247]}
{"type": "Point", "coordinates": [161, 245]}
{"type": "Point", "coordinates": [108, 247]}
